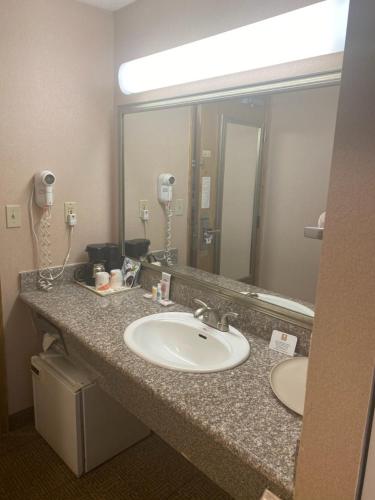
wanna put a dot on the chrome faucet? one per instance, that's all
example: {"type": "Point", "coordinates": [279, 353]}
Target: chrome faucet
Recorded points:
{"type": "Point", "coordinates": [210, 316]}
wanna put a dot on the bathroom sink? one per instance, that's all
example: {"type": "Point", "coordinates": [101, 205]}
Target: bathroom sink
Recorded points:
{"type": "Point", "coordinates": [179, 341]}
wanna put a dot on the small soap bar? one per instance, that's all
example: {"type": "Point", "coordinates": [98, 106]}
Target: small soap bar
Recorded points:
{"type": "Point", "coordinates": [283, 342]}
{"type": "Point", "coordinates": [147, 295]}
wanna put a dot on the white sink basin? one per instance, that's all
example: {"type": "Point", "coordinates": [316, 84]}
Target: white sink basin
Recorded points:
{"type": "Point", "coordinates": [179, 341]}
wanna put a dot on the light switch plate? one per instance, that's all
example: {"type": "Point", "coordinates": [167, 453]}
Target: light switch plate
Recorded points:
{"type": "Point", "coordinates": [13, 215]}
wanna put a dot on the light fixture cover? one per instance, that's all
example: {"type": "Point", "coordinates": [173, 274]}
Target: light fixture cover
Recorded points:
{"type": "Point", "coordinates": [315, 30]}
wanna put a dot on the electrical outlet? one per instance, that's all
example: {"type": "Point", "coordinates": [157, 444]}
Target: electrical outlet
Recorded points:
{"type": "Point", "coordinates": [179, 207]}
{"type": "Point", "coordinates": [143, 205]}
{"type": "Point", "coordinates": [70, 207]}
{"type": "Point", "coordinates": [13, 215]}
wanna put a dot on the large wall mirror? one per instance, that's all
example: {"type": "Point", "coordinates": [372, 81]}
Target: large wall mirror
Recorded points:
{"type": "Point", "coordinates": [251, 172]}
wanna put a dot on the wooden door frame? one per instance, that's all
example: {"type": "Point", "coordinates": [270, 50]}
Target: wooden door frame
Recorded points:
{"type": "Point", "coordinates": [3, 386]}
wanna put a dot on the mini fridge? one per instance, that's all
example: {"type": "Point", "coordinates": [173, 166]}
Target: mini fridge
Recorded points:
{"type": "Point", "coordinates": [80, 421]}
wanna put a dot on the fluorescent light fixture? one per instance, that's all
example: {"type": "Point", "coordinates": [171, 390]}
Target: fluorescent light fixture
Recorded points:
{"type": "Point", "coordinates": [311, 31]}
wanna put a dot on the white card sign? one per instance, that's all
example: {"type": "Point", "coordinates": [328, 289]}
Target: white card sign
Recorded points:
{"type": "Point", "coordinates": [206, 192]}
{"type": "Point", "coordinates": [283, 342]}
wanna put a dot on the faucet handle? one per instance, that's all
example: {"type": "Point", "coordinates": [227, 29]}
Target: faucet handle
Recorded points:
{"type": "Point", "coordinates": [204, 308]}
{"type": "Point", "coordinates": [201, 303]}
{"type": "Point", "coordinates": [223, 323]}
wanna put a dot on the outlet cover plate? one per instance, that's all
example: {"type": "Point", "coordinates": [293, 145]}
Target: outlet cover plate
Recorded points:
{"type": "Point", "coordinates": [143, 205]}
{"type": "Point", "coordinates": [70, 207]}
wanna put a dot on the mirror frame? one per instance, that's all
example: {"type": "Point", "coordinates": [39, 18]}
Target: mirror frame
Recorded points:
{"type": "Point", "coordinates": [311, 81]}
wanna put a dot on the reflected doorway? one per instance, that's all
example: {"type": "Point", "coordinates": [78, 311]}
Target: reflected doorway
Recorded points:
{"type": "Point", "coordinates": [226, 177]}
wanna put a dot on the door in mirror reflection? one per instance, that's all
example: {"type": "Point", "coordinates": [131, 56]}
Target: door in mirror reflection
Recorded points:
{"type": "Point", "coordinates": [238, 207]}
{"type": "Point", "coordinates": [225, 188]}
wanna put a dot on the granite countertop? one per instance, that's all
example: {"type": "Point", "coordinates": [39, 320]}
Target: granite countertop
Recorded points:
{"type": "Point", "coordinates": [236, 408]}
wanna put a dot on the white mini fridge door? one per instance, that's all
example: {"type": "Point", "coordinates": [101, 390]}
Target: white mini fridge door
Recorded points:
{"type": "Point", "coordinates": [81, 422]}
{"type": "Point", "coordinates": [58, 416]}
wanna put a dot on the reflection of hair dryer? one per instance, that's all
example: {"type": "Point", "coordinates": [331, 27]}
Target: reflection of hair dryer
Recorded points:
{"type": "Point", "coordinates": [165, 193]}
{"type": "Point", "coordinates": [43, 183]}
{"type": "Point", "coordinates": [165, 184]}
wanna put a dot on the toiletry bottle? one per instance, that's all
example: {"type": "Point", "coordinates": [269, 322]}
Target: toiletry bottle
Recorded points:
{"type": "Point", "coordinates": [154, 293]}
{"type": "Point", "coordinates": [166, 285]}
{"type": "Point", "coordinates": [158, 292]}
{"type": "Point", "coordinates": [163, 286]}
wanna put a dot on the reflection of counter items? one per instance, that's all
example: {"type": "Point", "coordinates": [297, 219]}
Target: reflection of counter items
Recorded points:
{"type": "Point", "coordinates": [130, 270]}
{"type": "Point", "coordinates": [116, 279]}
{"type": "Point", "coordinates": [253, 171]}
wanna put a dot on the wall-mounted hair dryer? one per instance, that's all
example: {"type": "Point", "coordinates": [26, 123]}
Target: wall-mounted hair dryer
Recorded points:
{"type": "Point", "coordinates": [165, 191]}
{"type": "Point", "coordinates": [42, 195]}
{"type": "Point", "coordinates": [43, 183]}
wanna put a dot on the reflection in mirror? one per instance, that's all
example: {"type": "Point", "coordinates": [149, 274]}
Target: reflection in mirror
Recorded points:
{"type": "Point", "coordinates": [251, 173]}
{"type": "Point", "coordinates": [229, 143]}
{"type": "Point", "coordinates": [292, 305]}
{"type": "Point", "coordinates": [156, 142]}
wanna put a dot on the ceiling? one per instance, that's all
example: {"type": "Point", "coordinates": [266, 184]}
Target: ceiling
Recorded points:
{"type": "Point", "coordinates": [108, 4]}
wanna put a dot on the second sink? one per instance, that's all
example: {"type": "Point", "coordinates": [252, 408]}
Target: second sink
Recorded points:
{"type": "Point", "coordinates": [179, 341]}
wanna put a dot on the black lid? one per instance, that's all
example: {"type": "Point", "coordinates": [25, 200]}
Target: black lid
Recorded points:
{"type": "Point", "coordinates": [137, 247]}
{"type": "Point", "coordinates": [101, 246]}
{"type": "Point", "coordinates": [138, 241]}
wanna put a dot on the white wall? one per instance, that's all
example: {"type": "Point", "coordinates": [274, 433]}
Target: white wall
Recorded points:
{"type": "Point", "coordinates": [296, 165]}
{"type": "Point", "coordinates": [157, 142]}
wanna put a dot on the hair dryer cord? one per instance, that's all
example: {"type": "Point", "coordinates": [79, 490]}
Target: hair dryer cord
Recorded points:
{"type": "Point", "coordinates": [168, 234]}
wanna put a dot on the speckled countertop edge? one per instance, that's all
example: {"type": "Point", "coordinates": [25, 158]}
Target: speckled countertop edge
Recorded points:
{"type": "Point", "coordinates": [236, 407]}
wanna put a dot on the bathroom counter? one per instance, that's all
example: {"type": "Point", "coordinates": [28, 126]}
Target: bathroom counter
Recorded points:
{"type": "Point", "coordinates": [229, 424]}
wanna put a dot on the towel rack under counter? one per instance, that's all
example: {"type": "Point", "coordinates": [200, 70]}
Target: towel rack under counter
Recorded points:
{"type": "Point", "coordinates": [316, 233]}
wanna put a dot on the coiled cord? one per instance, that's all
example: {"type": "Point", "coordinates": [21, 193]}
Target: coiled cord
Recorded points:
{"type": "Point", "coordinates": [168, 234]}
{"type": "Point", "coordinates": [45, 240]}
{"type": "Point", "coordinates": [43, 247]}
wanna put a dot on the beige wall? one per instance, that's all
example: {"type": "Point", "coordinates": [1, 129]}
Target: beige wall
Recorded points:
{"type": "Point", "coordinates": [296, 169]}
{"type": "Point", "coordinates": [145, 27]}
{"type": "Point", "coordinates": [342, 355]}
{"type": "Point", "coordinates": [56, 108]}
{"type": "Point", "coordinates": [156, 142]}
